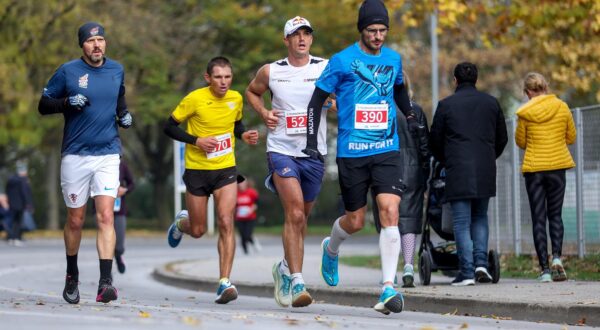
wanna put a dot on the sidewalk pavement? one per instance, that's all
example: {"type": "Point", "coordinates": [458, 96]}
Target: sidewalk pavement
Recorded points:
{"type": "Point", "coordinates": [571, 302]}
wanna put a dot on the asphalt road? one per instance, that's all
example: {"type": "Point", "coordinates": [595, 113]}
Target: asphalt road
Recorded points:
{"type": "Point", "coordinates": [32, 279]}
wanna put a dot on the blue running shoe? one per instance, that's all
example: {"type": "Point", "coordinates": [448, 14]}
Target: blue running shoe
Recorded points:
{"type": "Point", "coordinates": [390, 301]}
{"type": "Point", "coordinates": [226, 293]}
{"type": "Point", "coordinates": [282, 286]}
{"type": "Point", "coordinates": [300, 297]}
{"type": "Point", "coordinates": [329, 265]}
{"type": "Point", "coordinates": [174, 235]}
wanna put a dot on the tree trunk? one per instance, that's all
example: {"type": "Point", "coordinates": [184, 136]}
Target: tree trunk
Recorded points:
{"type": "Point", "coordinates": [53, 190]}
{"type": "Point", "coordinates": [162, 198]}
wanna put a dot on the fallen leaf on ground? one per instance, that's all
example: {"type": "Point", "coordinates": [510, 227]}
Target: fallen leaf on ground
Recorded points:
{"type": "Point", "coordinates": [581, 322]}
{"type": "Point", "coordinates": [427, 327]}
{"type": "Point", "coordinates": [452, 313]}
{"type": "Point", "coordinates": [496, 317]}
{"type": "Point", "coordinates": [144, 314]}
{"type": "Point", "coordinates": [464, 326]}
{"type": "Point", "coordinates": [190, 320]}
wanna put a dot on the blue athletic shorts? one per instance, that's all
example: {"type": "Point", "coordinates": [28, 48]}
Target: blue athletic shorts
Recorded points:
{"type": "Point", "coordinates": [309, 172]}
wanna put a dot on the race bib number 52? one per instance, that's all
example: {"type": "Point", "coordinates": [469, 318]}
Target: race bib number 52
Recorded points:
{"type": "Point", "coordinates": [295, 122]}
{"type": "Point", "coordinates": [223, 147]}
{"type": "Point", "coordinates": [371, 116]}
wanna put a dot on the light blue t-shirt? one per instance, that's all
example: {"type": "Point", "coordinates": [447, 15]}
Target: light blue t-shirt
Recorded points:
{"type": "Point", "coordinates": [364, 86]}
{"type": "Point", "coordinates": [93, 131]}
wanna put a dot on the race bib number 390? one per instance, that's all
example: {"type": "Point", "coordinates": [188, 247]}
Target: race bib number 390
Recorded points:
{"type": "Point", "coordinates": [295, 122]}
{"type": "Point", "coordinates": [223, 147]}
{"type": "Point", "coordinates": [371, 116]}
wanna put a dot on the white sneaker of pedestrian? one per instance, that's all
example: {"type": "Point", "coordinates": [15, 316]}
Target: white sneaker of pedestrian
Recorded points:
{"type": "Point", "coordinates": [256, 245]}
{"type": "Point", "coordinates": [482, 275]}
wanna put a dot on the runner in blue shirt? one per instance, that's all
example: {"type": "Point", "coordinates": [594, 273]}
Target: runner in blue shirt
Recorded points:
{"type": "Point", "coordinates": [90, 93]}
{"type": "Point", "coordinates": [367, 79]}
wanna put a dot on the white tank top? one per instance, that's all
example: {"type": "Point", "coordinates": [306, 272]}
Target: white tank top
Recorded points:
{"type": "Point", "coordinates": [291, 89]}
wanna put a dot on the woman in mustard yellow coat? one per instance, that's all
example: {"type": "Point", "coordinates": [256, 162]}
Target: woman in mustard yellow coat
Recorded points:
{"type": "Point", "coordinates": [544, 129]}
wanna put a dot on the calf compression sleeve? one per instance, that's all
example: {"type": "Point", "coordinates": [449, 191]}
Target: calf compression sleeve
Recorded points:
{"type": "Point", "coordinates": [389, 248]}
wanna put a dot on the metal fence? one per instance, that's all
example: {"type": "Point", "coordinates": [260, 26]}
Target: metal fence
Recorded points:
{"type": "Point", "coordinates": [509, 214]}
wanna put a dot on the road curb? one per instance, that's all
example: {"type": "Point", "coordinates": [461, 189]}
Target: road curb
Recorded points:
{"type": "Point", "coordinates": [574, 314]}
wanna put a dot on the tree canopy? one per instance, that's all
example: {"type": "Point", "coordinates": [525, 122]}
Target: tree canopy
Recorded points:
{"type": "Point", "coordinates": [164, 47]}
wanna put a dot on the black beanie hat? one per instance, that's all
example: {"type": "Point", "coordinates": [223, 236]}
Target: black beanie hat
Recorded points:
{"type": "Point", "coordinates": [88, 30]}
{"type": "Point", "coordinates": [372, 12]}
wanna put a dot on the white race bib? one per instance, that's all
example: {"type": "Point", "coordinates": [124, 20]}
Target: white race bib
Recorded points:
{"type": "Point", "coordinates": [371, 116]}
{"type": "Point", "coordinates": [223, 147]}
{"type": "Point", "coordinates": [295, 122]}
{"type": "Point", "coordinates": [244, 211]}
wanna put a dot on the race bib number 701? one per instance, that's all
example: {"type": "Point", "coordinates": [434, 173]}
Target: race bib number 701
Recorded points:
{"type": "Point", "coordinates": [223, 147]}
{"type": "Point", "coordinates": [371, 116]}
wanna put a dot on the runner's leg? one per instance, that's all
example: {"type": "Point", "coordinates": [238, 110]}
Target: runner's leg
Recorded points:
{"type": "Point", "coordinates": [389, 239]}
{"type": "Point", "coordinates": [225, 200]}
{"type": "Point", "coordinates": [106, 238]}
{"type": "Point", "coordinates": [195, 226]}
{"type": "Point", "coordinates": [294, 227]}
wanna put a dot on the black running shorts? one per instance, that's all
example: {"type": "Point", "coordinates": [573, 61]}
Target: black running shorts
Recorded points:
{"type": "Point", "coordinates": [382, 173]}
{"type": "Point", "coordinates": [205, 182]}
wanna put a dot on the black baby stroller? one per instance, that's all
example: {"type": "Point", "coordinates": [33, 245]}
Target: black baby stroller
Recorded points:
{"type": "Point", "coordinates": [443, 256]}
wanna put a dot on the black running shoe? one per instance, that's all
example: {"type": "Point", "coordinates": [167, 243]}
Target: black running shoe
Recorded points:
{"type": "Point", "coordinates": [120, 263]}
{"type": "Point", "coordinates": [71, 291]}
{"type": "Point", "coordinates": [106, 292]}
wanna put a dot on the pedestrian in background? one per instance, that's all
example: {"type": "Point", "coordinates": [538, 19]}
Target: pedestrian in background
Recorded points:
{"type": "Point", "coordinates": [4, 212]}
{"type": "Point", "coordinates": [125, 187]}
{"type": "Point", "coordinates": [20, 199]}
{"type": "Point", "coordinates": [544, 129]}
{"type": "Point", "coordinates": [467, 135]}
{"type": "Point", "coordinates": [245, 213]}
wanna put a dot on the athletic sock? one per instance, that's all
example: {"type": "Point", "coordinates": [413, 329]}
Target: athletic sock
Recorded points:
{"type": "Point", "coordinates": [224, 280]}
{"type": "Point", "coordinates": [72, 268]}
{"type": "Point", "coordinates": [389, 248]}
{"type": "Point", "coordinates": [297, 279]}
{"type": "Point", "coordinates": [338, 235]}
{"type": "Point", "coordinates": [106, 268]}
{"type": "Point", "coordinates": [284, 268]}
{"type": "Point", "coordinates": [408, 248]}
{"type": "Point", "coordinates": [178, 224]}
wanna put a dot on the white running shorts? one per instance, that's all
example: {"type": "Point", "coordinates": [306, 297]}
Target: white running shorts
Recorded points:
{"type": "Point", "coordinates": [82, 177]}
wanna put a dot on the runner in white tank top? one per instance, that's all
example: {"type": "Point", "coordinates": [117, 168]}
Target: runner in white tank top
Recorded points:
{"type": "Point", "coordinates": [291, 88]}
{"type": "Point", "coordinates": [293, 175]}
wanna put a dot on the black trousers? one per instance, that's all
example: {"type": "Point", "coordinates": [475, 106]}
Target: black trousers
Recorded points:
{"type": "Point", "coordinates": [246, 228]}
{"type": "Point", "coordinates": [15, 232]}
{"type": "Point", "coordinates": [546, 192]}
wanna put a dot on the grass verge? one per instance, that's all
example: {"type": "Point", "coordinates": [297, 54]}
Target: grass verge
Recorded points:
{"type": "Point", "coordinates": [511, 266]}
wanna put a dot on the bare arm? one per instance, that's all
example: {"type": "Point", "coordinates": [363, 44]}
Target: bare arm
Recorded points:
{"type": "Point", "coordinates": [254, 95]}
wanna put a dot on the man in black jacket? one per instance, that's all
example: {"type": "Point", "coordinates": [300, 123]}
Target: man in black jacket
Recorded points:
{"type": "Point", "coordinates": [467, 135]}
{"type": "Point", "coordinates": [20, 200]}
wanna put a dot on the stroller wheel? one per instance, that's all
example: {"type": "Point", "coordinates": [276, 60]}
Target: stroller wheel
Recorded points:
{"type": "Point", "coordinates": [425, 268]}
{"type": "Point", "coordinates": [494, 265]}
